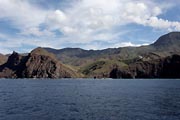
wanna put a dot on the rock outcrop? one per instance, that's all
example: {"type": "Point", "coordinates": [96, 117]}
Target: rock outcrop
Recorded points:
{"type": "Point", "coordinates": [37, 64]}
{"type": "Point", "coordinates": [171, 67]}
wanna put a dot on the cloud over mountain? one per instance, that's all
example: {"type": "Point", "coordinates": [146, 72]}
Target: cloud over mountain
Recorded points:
{"type": "Point", "coordinates": [84, 21]}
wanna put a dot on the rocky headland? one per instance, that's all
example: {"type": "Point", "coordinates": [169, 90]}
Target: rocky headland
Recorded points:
{"type": "Point", "coordinates": [37, 64]}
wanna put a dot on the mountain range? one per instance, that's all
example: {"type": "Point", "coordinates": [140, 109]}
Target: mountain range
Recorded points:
{"type": "Point", "coordinates": [160, 59]}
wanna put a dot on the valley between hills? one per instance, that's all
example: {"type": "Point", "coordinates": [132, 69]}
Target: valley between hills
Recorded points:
{"type": "Point", "coordinates": [160, 59]}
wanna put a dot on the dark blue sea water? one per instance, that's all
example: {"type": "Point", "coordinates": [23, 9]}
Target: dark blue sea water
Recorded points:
{"type": "Point", "coordinates": [89, 99]}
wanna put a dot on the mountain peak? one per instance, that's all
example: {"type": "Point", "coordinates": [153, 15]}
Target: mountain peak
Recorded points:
{"type": "Point", "coordinates": [41, 51]}
{"type": "Point", "coordinates": [169, 39]}
{"type": "Point", "coordinates": [38, 50]}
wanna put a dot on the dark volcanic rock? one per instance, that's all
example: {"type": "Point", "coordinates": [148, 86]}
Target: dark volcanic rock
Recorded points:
{"type": "Point", "coordinates": [171, 67]}
{"type": "Point", "coordinates": [120, 73]}
{"type": "Point", "coordinates": [38, 64]}
{"type": "Point", "coordinates": [146, 69]}
{"type": "Point", "coordinates": [168, 67]}
{"type": "Point", "coordinates": [13, 67]}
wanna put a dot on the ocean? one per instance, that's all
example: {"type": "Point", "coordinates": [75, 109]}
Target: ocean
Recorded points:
{"type": "Point", "coordinates": [89, 99]}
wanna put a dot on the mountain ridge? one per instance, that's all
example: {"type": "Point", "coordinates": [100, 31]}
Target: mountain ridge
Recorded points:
{"type": "Point", "coordinates": [124, 62]}
{"type": "Point", "coordinates": [74, 55]}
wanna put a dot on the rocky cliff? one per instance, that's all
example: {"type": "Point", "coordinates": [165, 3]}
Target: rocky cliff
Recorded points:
{"type": "Point", "coordinates": [37, 64]}
{"type": "Point", "coordinates": [168, 67]}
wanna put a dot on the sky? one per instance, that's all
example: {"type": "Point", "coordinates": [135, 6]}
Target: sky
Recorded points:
{"type": "Point", "coordinates": [87, 24]}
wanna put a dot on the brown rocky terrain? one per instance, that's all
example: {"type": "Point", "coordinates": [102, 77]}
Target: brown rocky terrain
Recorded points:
{"type": "Point", "coordinates": [3, 59]}
{"type": "Point", "coordinates": [37, 64]}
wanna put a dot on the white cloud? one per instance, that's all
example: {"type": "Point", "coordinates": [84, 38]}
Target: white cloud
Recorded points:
{"type": "Point", "coordinates": [128, 44]}
{"type": "Point", "coordinates": [84, 21]}
{"type": "Point", "coordinates": [22, 14]}
{"type": "Point", "coordinates": [35, 31]}
{"type": "Point", "coordinates": [9, 43]}
{"type": "Point", "coordinates": [163, 24]}
{"type": "Point", "coordinates": [87, 18]}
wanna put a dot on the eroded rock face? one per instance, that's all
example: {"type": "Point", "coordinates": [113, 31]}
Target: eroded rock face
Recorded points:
{"type": "Point", "coordinates": [168, 67]}
{"type": "Point", "coordinates": [12, 67]}
{"type": "Point", "coordinates": [120, 73]}
{"type": "Point", "coordinates": [38, 64]}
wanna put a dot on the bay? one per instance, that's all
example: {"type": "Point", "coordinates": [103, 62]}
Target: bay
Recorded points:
{"type": "Point", "coordinates": [89, 99]}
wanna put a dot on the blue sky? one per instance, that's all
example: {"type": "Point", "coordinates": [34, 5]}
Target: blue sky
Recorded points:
{"type": "Point", "coordinates": [87, 24]}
